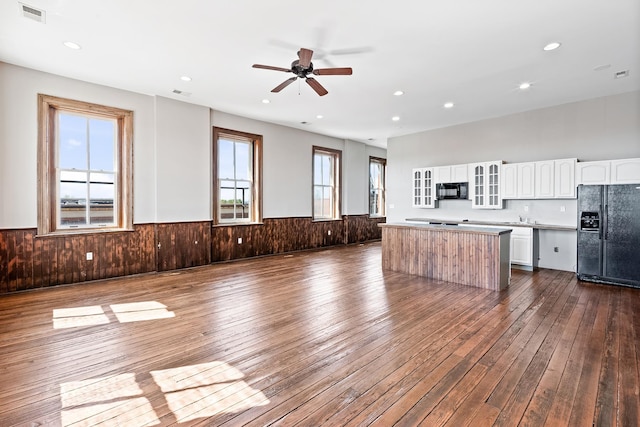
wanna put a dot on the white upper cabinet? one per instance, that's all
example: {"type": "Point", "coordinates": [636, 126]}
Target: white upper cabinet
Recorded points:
{"type": "Point", "coordinates": [593, 173]}
{"type": "Point", "coordinates": [509, 181]}
{"type": "Point", "coordinates": [526, 180]}
{"type": "Point", "coordinates": [549, 179]}
{"type": "Point", "coordinates": [565, 178]}
{"type": "Point", "coordinates": [423, 188]}
{"type": "Point", "coordinates": [625, 171]}
{"type": "Point", "coordinates": [484, 185]}
{"type": "Point", "coordinates": [544, 182]}
{"type": "Point", "coordinates": [454, 173]}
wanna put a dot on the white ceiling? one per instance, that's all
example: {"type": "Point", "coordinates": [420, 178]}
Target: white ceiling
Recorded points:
{"type": "Point", "coordinates": [473, 53]}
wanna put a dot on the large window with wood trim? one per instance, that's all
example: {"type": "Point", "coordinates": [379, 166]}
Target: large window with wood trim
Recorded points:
{"type": "Point", "coordinates": [377, 169]}
{"type": "Point", "coordinates": [237, 171]}
{"type": "Point", "coordinates": [326, 183]}
{"type": "Point", "coordinates": [84, 167]}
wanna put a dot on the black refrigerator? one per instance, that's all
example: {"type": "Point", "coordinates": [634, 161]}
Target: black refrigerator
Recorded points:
{"type": "Point", "coordinates": [609, 234]}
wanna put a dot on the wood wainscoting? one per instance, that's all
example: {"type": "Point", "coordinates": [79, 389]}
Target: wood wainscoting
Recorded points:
{"type": "Point", "coordinates": [31, 262]}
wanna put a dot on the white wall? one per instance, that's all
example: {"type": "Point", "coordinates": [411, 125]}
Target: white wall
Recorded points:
{"type": "Point", "coordinates": [172, 153]}
{"type": "Point", "coordinates": [19, 88]}
{"type": "Point", "coordinates": [183, 159]}
{"type": "Point", "coordinates": [596, 129]}
{"type": "Point", "coordinates": [287, 166]}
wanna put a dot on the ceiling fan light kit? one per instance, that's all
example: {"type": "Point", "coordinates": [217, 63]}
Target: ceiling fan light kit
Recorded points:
{"type": "Point", "coordinates": [302, 67]}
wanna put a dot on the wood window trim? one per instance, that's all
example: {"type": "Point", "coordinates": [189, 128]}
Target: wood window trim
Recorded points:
{"type": "Point", "coordinates": [47, 184]}
{"type": "Point", "coordinates": [383, 162]}
{"type": "Point", "coordinates": [256, 189]}
{"type": "Point", "coordinates": [337, 190]}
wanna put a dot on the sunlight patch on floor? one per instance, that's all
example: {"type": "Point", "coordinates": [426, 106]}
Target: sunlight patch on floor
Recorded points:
{"type": "Point", "coordinates": [189, 392]}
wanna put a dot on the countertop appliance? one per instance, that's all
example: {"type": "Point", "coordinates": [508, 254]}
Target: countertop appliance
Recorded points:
{"type": "Point", "coordinates": [452, 190]}
{"type": "Point", "coordinates": [609, 234]}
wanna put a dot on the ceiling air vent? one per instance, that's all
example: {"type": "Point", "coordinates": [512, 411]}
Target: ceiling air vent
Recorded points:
{"type": "Point", "coordinates": [621, 74]}
{"type": "Point", "coordinates": [180, 92]}
{"type": "Point", "coordinates": [33, 13]}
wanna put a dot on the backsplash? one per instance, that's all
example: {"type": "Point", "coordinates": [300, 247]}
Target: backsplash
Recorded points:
{"type": "Point", "coordinates": [556, 212]}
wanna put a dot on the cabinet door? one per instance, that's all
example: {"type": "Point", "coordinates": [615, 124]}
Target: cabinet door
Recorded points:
{"type": "Point", "coordinates": [459, 173]}
{"type": "Point", "coordinates": [442, 174]}
{"type": "Point", "coordinates": [428, 188]}
{"type": "Point", "coordinates": [625, 171]}
{"type": "Point", "coordinates": [593, 173]}
{"type": "Point", "coordinates": [417, 188]}
{"type": "Point", "coordinates": [510, 181]}
{"type": "Point", "coordinates": [477, 184]}
{"type": "Point", "coordinates": [522, 248]}
{"type": "Point", "coordinates": [565, 178]}
{"type": "Point", "coordinates": [544, 182]}
{"type": "Point", "coordinates": [526, 180]}
{"type": "Point", "coordinates": [492, 180]}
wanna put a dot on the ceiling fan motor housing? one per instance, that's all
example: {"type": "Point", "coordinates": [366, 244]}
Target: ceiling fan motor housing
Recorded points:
{"type": "Point", "coordinates": [299, 70]}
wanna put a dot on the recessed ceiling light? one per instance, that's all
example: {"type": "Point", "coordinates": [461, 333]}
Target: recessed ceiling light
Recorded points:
{"type": "Point", "coordinates": [524, 86]}
{"type": "Point", "coordinates": [551, 46]}
{"type": "Point", "coordinates": [265, 101]}
{"type": "Point", "coordinates": [185, 78]}
{"type": "Point", "coordinates": [72, 45]}
{"type": "Point", "coordinates": [602, 67]}
{"type": "Point", "coordinates": [398, 93]}
{"type": "Point", "coordinates": [319, 116]}
{"type": "Point", "coordinates": [395, 118]}
{"type": "Point", "coordinates": [448, 105]}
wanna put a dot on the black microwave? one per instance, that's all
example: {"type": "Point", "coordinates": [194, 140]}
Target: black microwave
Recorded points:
{"type": "Point", "coordinates": [452, 190]}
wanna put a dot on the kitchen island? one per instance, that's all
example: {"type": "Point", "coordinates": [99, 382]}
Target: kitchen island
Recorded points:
{"type": "Point", "coordinates": [472, 256]}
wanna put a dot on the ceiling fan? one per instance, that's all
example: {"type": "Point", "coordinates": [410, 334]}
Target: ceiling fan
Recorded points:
{"type": "Point", "coordinates": [302, 67]}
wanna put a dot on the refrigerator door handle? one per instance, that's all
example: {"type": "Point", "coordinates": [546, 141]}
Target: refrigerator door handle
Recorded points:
{"type": "Point", "coordinates": [606, 222]}
{"type": "Point", "coordinates": [601, 225]}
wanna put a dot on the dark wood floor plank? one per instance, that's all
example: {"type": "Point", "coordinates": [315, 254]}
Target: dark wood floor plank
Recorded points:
{"type": "Point", "coordinates": [318, 338]}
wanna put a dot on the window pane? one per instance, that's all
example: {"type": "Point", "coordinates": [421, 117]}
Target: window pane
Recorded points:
{"type": "Point", "coordinates": [225, 159]}
{"type": "Point", "coordinates": [317, 169]}
{"type": "Point", "coordinates": [101, 203]}
{"type": "Point", "coordinates": [73, 207]}
{"type": "Point", "coordinates": [327, 170]}
{"type": "Point", "coordinates": [102, 138]}
{"type": "Point", "coordinates": [72, 134]}
{"type": "Point", "coordinates": [317, 202]}
{"type": "Point", "coordinates": [243, 161]}
{"type": "Point", "coordinates": [327, 202]}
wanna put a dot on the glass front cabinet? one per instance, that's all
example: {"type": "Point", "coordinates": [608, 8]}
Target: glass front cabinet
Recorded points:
{"type": "Point", "coordinates": [423, 188]}
{"type": "Point", "coordinates": [484, 185]}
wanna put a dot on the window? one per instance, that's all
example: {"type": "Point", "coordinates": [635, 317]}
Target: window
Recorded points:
{"type": "Point", "coordinates": [377, 169]}
{"type": "Point", "coordinates": [238, 161]}
{"type": "Point", "coordinates": [84, 167]}
{"type": "Point", "coordinates": [326, 183]}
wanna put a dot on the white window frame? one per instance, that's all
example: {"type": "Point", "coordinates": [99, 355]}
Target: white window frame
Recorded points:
{"type": "Point", "coordinates": [49, 198]}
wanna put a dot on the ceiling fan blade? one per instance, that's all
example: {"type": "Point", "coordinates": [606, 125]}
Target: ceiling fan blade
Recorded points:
{"type": "Point", "coordinates": [320, 90]}
{"type": "Point", "coordinates": [305, 57]}
{"type": "Point", "coordinates": [269, 67]}
{"type": "Point", "coordinates": [283, 84]}
{"type": "Point", "coordinates": [345, 71]}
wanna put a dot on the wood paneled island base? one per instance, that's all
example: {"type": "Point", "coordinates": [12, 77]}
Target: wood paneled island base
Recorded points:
{"type": "Point", "coordinates": [473, 256]}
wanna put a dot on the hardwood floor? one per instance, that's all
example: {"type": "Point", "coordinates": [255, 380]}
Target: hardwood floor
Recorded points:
{"type": "Point", "coordinates": [320, 338]}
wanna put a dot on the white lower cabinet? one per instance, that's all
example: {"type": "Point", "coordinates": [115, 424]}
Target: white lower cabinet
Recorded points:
{"type": "Point", "coordinates": [522, 246]}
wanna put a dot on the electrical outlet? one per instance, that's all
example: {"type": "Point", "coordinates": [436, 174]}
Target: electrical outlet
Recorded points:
{"type": "Point", "coordinates": [329, 232]}
{"type": "Point", "coordinates": [555, 249]}
{"type": "Point", "coordinates": [239, 240]}
{"type": "Point", "coordinates": [562, 209]}
{"type": "Point", "coordinates": [392, 206]}
{"type": "Point", "coordinates": [89, 256]}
